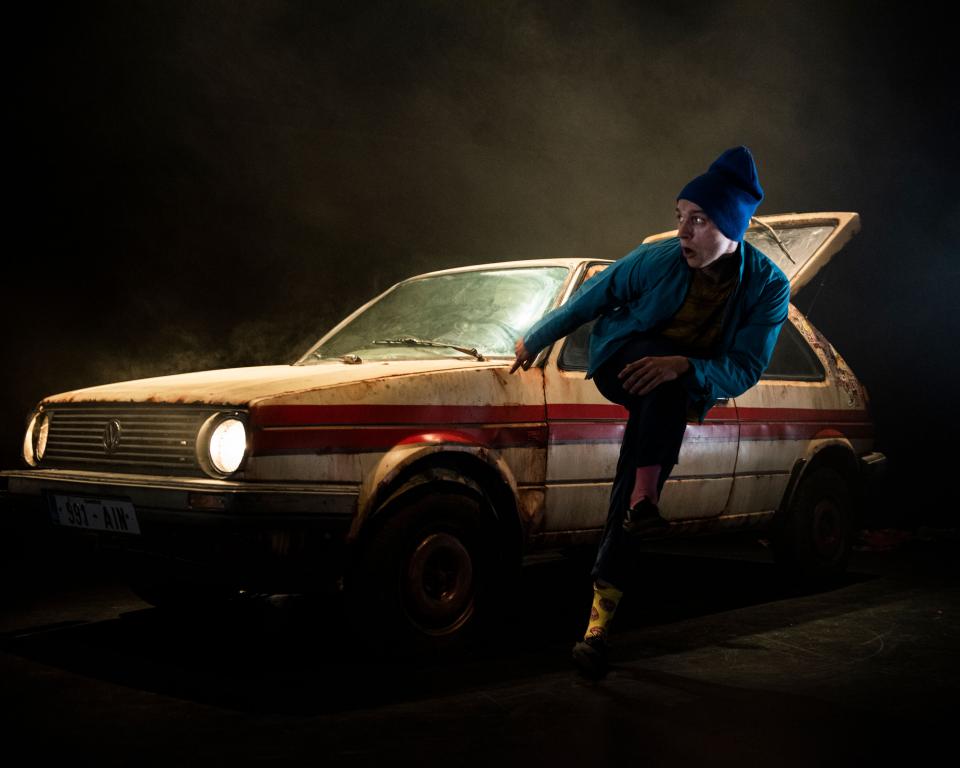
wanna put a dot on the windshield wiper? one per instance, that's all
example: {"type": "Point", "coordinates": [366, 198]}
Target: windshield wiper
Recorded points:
{"type": "Point", "coordinates": [413, 341]}
{"type": "Point", "coordinates": [775, 236]}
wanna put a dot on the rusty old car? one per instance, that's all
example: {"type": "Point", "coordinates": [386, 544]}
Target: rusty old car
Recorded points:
{"type": "Point", "coordinates": [398, 461]}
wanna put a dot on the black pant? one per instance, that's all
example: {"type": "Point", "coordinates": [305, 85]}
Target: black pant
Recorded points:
{"type": "Point", "coordinates": [653, 435]}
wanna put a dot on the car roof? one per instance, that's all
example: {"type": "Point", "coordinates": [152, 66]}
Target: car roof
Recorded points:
{"type": "Point", "coordinates": [566, 263]}
{"type": "Point", "coordinates": [837, 227]}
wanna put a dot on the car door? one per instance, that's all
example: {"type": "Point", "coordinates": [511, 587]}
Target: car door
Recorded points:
{"type": "Point", "coordinates": [794, 403]}
{"type": "Point", "coordinates": [584, 434]}
{"type": "Point", "coordinates": [795, 399]}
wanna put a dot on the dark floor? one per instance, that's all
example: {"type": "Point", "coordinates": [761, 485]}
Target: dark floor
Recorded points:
{"type": "Point", "coordinates": [714, 663]}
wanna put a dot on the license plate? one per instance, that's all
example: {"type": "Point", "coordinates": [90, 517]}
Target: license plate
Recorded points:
{"type": "Point", "coordinates": [95, 514]}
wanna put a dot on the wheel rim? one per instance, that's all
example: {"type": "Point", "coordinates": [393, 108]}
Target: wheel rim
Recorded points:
{"type": "Point", "coordinates": [828, 534]}
{"type": "Point", "coordinates": [439, 584]}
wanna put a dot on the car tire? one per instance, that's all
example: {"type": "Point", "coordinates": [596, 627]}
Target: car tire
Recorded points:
{"type": "Point", "coordinates": [428, 578]}
{"type": "Point", "coordinates": [813, 536]}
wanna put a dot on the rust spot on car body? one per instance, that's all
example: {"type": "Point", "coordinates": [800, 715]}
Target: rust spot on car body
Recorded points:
{"type": "Point", "coordinates": [531, 506]}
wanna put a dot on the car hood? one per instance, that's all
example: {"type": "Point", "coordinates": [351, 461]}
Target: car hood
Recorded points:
{"type": "Point", "coordinates": [244, 386]}
{"type": "Point", "coordinates": [809, 241]}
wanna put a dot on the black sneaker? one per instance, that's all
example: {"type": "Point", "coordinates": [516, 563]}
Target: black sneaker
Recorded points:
{"type": "Point", "coordinates": [590, 656]}
{"type": "Point", "coordinates": [645, 516]}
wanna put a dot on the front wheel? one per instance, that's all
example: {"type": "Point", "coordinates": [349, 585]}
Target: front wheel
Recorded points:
{"type": "Point", "coordinates": [813, 536]}
{"type": "Point", "coordinates": [426, 579]}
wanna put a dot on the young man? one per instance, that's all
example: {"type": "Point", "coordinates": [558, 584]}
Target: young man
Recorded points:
{"type": "Point", "coordinates": [680, 324]}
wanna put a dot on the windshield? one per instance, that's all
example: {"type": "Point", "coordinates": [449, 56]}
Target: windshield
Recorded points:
{"type": "Point", "coordinates": [487, 310]}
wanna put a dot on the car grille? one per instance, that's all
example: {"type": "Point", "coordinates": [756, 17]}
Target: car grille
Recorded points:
{"type": "Point", "coordinates": [150, 438]}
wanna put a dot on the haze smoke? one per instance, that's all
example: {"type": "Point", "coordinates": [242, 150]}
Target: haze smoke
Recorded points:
{"type": "Point", "coordinates": [226, 180]}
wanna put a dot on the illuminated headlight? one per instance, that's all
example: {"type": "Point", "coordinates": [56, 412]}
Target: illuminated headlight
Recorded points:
{"type": "Point", "coordinates": [35, 440]}
{"type": "Point", "coordinates": [222, 444]}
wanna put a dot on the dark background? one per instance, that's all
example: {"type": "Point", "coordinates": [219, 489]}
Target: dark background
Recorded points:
{"type": "Point", "coordinates": [213, 184]}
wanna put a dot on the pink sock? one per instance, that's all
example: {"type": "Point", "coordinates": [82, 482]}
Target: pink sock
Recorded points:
{"type": "Point", "coordinates": [645, 485]}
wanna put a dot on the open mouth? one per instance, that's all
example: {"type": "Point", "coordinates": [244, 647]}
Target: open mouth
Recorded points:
{"type": "Point", "coordinates": [688, 253]}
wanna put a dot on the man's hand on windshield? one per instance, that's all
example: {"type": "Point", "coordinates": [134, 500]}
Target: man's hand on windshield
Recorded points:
{"type": "Point", "coordinates": [646, 374]}
{"type": "Point", "coordinates": [524, 358]}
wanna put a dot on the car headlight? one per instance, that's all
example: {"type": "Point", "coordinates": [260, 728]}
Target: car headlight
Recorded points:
{"type": "Point", "coordinates": [35, 439]}
{"type": "Point", "coordinates": [222, 444]}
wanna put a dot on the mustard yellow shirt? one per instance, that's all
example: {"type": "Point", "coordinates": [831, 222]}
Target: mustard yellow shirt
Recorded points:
{"type": "Point", "coordinates": [697, 324]}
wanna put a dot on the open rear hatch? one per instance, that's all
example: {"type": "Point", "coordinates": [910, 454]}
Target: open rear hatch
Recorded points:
{"type": "Point", "coordinates": [801, 244]}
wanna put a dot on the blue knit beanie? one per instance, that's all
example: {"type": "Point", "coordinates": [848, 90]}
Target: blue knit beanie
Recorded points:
{"type": "Point", "coordinates": [729, 192]}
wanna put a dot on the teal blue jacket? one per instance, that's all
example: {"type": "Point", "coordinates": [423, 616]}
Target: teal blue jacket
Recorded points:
{"type": "Point", "coordinates": [647, 287]}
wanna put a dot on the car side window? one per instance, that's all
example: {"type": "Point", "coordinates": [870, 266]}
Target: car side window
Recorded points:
{"type": "Point", "coordinates": [576, 348]}
{"type": "Point", "coordinates": [793, 359]}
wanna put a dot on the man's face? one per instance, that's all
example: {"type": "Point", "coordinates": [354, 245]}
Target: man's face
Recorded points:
{"type": "Point", "coordinates": [702, 243]}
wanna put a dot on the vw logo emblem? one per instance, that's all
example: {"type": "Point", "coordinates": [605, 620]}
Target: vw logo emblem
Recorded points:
{"type": "Point", "coordinates": [111, 436]}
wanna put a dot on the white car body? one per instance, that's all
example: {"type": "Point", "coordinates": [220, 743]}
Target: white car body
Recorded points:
{"type": "Point", "coordinates": [331, 444]}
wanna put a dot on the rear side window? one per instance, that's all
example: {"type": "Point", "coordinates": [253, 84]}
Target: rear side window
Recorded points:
{"type": "Point", "coordinates": [793, 359]}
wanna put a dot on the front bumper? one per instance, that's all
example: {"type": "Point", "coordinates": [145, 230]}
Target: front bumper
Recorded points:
{"type": "Point", "coordinates": [255, 536]}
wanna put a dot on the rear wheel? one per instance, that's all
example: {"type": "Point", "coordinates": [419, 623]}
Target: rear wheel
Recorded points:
{"type": "Point", "coordinates": [814, 535]}
{"type": "Point", "coordinates": [427, 579]}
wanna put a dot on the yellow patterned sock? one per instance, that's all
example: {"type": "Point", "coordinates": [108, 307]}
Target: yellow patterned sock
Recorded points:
{"type": "Point", "coordinates": [605, 600]}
